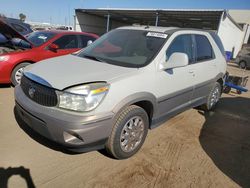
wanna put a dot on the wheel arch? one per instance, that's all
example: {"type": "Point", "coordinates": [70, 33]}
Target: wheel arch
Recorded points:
{"type": "Point", "coordinates": [12, 72]}
{"type": "Point", "coordinates": [221, 82]}
{"type": "Point", "coordinates": [28, 61]}
{"type": "Point", "coordinates": [146, 101]}
{"type": "Point", "coordinates": [242, 60]}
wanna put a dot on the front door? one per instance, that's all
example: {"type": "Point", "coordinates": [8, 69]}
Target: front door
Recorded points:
{"type": "Point", "coordinates": [175, 86]}
{"type": "Point", "coordinates": [67, 44]}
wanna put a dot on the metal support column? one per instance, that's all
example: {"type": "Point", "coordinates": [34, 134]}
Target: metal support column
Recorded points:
{"type": "Point", "coordinates": [74, 22]}
{"type": "Point", "coordinates": [107, 27]}
{"type": "Point", "coordinates": [156, 19]}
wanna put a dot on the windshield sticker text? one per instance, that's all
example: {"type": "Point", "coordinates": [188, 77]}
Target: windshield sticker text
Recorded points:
{"type": "Point", "coordinates": [42, 37]}
{"type": "Point", "coordinates": [159, 35]}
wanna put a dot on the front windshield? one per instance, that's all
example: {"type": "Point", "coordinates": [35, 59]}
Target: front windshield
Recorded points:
{"type": "Point", "coordinates": [40, 37]}
{"type": "Point", "coordinates": [129, 48]}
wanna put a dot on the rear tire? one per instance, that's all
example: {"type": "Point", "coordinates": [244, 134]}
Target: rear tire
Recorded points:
{"type": "Point", "coordinates": [213, 98]}
{"type": "Point", "coordinates": [242, 64]}
{"type": "Point", "coordinates": [17, 73]}
{"type": "Point", "coordinates": [128, 133]}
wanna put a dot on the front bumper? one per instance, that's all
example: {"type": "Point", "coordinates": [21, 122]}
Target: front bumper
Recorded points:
{"type": "Point", "coordinates": [5, 72]}
{"type": "Point", "coordinates": [76, 131]}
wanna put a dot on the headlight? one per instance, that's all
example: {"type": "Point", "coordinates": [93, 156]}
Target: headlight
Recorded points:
{"type": "Point", "coordinates": [4, 58]}
{"type": "Point", "coordinates": [84, 97]}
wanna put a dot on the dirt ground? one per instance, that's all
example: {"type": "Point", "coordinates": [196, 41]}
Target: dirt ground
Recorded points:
{"type": "Point", "coordinates": [191, 150]}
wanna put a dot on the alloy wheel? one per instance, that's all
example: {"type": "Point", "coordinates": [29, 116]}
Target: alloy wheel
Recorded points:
{"type": "Point", "coordinates": [18, 75]}
{"type": "Point", "coordinates": [215, 96]}
{"type": "Point", "coordinates": [132, 134]}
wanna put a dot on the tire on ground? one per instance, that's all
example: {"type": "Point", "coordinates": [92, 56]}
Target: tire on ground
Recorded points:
{"type": "Point", "coordinates": [207, 106]}
{"type": "Point", "coordinates": [14, 81]}
{"type": "Point", "coordinates": [242, 64]}
{"type": "Point", "coordinates": [113, 145]}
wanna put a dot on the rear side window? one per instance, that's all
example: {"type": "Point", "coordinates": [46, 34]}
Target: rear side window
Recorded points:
{"type": "Point", "coordinates": [218, 42]}
{"type": "Point", "coordinates": [84, 40]}
{"type": "Point", "coordinates": [67, 42]}
{"type": "Point", "coordinates": [204, 49]}
{"type": "Point", "coordinates": [183, 44]}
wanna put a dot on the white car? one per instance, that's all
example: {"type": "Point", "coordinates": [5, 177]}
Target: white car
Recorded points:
{"type": "Point", "coordinates": [128, 81]}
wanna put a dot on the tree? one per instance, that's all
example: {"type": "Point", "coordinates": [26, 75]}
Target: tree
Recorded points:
{"type": "Point", "coordinates": [22, 17]}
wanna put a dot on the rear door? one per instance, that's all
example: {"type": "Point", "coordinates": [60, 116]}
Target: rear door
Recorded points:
{"type": "Point", "coordinates": [204, 68]}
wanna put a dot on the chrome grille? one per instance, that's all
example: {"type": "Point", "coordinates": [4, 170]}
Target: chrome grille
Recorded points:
{"type": "Point", "coordinates": [40, 94]}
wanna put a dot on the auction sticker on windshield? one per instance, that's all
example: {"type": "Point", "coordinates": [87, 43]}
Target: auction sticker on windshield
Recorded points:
{"type": "Point", "coordinates": [159, 35]}
{"type": "Point", "coordinates": [42, 37]}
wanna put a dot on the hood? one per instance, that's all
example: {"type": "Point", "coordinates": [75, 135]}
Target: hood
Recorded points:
{"type": "Point", "coordinates": [9, 33]}
{"type": "Point", "coordinates": [65, 71]}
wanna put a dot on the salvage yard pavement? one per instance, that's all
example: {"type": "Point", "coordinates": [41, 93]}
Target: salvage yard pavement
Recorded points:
{"type": "Point", "coordinates": [193, 149]}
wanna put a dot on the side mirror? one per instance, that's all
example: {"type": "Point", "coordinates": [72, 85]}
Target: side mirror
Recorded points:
{"type": "Point", "coordinates": [53, 47]}
{"type": "Point", "coordinates": [177, 59]}
{"type": "Point", "coordinates": [89, 42]}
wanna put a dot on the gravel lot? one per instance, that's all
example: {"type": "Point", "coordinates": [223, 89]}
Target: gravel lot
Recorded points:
{"type": "Point", "coordinates": [191, 150]}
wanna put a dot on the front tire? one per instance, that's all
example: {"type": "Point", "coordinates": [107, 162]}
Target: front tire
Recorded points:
{"type": "Point", "coordinates": [17, 73]}
{"type": "Point", "coordinates": [129, 132]}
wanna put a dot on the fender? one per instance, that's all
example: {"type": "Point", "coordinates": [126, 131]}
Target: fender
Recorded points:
{"type": "Point", "coordinates": [219, 76]}
{"type": "Point", "coordinates": [136, 97]}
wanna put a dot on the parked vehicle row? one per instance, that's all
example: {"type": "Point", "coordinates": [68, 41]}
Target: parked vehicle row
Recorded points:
{"type": "Point", "coordinates": [243, 58]}
{"type": "Point", "coordinates": [128, 81]}
{"type": "Point", "coordinates": [17, 51]}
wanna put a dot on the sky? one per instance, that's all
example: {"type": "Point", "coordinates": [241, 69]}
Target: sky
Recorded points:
{"type": "Point", "coordinates": [62, 11]}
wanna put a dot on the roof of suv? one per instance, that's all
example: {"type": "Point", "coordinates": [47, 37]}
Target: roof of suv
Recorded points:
{"type": "Point", "coordinates": [150, 28]}
{"type": "Point", "coordinates": [168, 30]}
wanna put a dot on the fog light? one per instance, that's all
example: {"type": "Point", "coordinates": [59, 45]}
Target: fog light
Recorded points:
{"type": "Point", "coordinates": [72, 138]}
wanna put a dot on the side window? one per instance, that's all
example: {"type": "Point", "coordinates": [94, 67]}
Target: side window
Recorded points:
{"type": "Point", "coordinates": [183, 44]}
{"type": "Point", "coordinates": [204, 49]}
{"type": "Point", "coordinates": [218, 42]}
{"type": "Point", "coordinates": [84, 40]}
{"type": "Point", "coordinates": [67, 42]}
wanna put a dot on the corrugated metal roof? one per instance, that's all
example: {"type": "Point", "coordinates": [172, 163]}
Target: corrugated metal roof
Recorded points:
{"type": "Point", "coordinates": [136, 9]}
{"type": "Point", "coordinates": [195, 18]}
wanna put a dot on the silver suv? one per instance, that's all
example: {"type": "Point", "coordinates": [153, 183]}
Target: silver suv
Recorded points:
{"type": "Point", "coordinates": [128, 81]}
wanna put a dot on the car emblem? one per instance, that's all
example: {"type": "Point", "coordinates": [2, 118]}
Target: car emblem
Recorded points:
{"type": "Point", "coordinates": [32, 92]}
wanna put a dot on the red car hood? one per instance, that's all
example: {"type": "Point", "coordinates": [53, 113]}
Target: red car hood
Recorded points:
{"type": "Point", "coordinates": [10, 33]}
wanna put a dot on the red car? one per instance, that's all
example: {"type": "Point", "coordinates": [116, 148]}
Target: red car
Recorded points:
{"type": "Point", "coordinates": [17, 51]}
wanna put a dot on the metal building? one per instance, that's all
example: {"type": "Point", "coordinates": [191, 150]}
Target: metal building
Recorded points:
{"type": "Point", "coordinates": [100, 21]}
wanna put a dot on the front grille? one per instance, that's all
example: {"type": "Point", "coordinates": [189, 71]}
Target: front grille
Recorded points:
{"type": "Point", "coordinates": [38, 93]}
